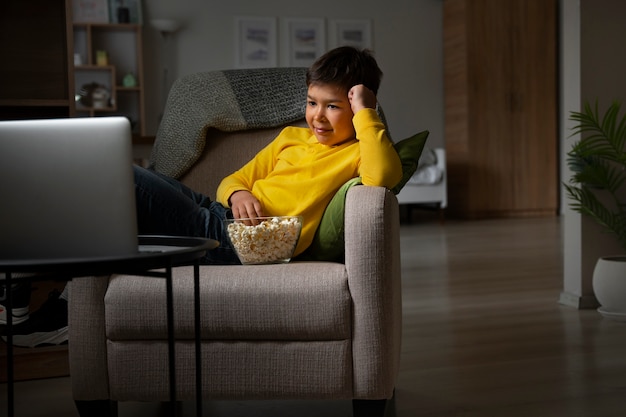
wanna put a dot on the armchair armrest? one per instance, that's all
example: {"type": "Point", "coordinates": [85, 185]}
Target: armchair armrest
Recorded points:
{"type": "Point", "coordinates": [372, 239]}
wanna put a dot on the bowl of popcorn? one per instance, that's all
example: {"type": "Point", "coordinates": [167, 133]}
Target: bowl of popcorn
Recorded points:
{"type": "Point", "coordinates": [264, 240]}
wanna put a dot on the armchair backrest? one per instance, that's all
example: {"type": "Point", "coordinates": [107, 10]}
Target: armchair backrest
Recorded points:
{"type": "Point", "coordinates": [224, 153]}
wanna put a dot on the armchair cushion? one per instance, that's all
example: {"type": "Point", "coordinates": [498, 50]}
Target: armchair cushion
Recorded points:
{"type": "Point", "coordinates": [274, 304]}
{"type": "Point", "coordinates": [409, 150]}
{"type": "Point", "coordinates": [328, 242]}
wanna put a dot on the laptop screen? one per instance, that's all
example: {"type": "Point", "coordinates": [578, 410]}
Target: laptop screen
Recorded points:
{"type": "Point", "coordinates": [67, 188]}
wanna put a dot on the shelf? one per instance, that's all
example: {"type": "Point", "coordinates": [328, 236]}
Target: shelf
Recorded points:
{"type": "Point", "coordinates": [35, 103]}
{"type": "Point", "coordinates": [95, 109]}
{"type": "Point", "coordinates": [111, 26]}
{"type": "Point", "coordinates": [94, 67]}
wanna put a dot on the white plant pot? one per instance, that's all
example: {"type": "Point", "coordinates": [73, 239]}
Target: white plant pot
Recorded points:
{"type": "Point", "coordinates": [609, 286]}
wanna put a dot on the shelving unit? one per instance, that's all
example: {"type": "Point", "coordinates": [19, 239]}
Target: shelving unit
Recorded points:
{"type": "Point", "coordinates": [123, 44]}
{"type": "Point", "coordinates": [36, 70]}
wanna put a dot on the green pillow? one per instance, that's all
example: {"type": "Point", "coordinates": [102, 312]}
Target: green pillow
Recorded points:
{"type": "Point", "coordinates": [409, 150]}
{"type": "Point", "coordinates": [328, 242]}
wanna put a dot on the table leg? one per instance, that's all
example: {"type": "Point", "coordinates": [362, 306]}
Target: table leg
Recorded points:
{"type": "Point", "coordinates": [196, 299]}
{"type": "Point", "coordinates": [9, 331]}
{"type": "Point", "coordinates": [170, 339]}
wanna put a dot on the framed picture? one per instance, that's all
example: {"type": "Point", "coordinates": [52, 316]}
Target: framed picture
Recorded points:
{"type": "Point", "coordinates": [357, 33]}
{"type": "Point", "coordinates": [306, 40]}
{"type": "Point", "coordinates": [256, 45]}
{"type": "Point", "coordinates": [125, 11]}
{"type": "Point", "coordinates": [90, 11]}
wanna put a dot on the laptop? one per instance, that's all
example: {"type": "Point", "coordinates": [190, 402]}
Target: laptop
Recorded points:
{"type": "Point", "coordinates": [67, 189]}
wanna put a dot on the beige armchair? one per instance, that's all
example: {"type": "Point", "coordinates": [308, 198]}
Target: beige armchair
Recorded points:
{"type": "Point", "coordinates": [303, 330]}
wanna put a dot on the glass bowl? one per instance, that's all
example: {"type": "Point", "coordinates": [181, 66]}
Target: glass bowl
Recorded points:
{"type": "Point", "coordinates": [264, 240]}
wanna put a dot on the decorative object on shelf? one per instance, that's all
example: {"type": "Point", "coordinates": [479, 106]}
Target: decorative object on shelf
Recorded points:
{"type": "Point", "coordinates": [94, 95]}
{"type": "Point", "coordinates": [129, 80]}
{"type": "Point", "coordinates": [102, 58]}
{"type": "Point", "coordinates": [125, 11]}
{"type": "Point", "coordinates": [123, 14]}
{"type": "Point", "coordinates": [100, 97]}
{"type": "Point", "coordinates": [596, 188]}
{"type": "Point", "coordinates": [78, 59]}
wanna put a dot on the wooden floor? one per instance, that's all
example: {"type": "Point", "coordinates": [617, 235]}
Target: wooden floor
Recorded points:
{"type": "Point", "coordinates": [484, 335]}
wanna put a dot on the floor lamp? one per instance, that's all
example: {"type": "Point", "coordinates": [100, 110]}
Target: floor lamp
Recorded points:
{"type": "Point", "coordinates": [167, 28]}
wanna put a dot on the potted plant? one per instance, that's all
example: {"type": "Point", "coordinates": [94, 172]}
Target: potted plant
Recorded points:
{"type": "Point", "coordinates": [597, 189]}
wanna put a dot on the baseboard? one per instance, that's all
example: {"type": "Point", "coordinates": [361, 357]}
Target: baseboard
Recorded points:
{"type": "Point", "coordinates": [579, 302]}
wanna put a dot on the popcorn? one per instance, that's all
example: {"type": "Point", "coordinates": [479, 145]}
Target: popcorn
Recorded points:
{"type": "Point", "coordinates": [271, 241]}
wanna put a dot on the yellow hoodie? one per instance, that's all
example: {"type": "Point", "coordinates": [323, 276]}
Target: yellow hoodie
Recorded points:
{"type": "Point", "coordinates": [295, 175]}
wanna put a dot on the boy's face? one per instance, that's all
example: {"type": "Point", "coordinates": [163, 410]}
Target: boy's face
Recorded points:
{"type": "Point", "coordinates": [329, 115]}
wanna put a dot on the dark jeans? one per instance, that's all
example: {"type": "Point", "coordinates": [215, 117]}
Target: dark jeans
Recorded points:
{"type": "Point", "coordinates": [167, 207]}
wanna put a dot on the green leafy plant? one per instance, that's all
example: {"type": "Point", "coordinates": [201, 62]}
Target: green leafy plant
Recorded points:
{"type": "Point", "coordinates": [597, 187]}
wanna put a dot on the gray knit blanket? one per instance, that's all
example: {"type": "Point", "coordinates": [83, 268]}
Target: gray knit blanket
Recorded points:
{"type": "Point", "coordinates": [228, 100]}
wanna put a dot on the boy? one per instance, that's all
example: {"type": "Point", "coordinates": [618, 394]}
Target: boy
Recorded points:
{"type": "Point", "coordinates": [298, 172]}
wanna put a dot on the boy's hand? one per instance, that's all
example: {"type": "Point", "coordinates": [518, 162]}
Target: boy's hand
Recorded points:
{"type": "Point", "coordinates": [245, 205]}
{"type": "Point", "coordinates": [361, 97]}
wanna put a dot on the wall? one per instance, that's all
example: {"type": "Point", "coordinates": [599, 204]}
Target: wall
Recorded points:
{"type": "Point", "coordinates": [593, 62]}
{"type": "Point", "coordinates": [407, 44]}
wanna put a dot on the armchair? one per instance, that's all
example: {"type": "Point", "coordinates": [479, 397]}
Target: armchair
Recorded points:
{"type": "Point", "coordinates": [303, 330]}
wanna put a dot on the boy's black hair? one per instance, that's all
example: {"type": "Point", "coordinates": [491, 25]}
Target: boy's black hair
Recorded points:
{"type": "Point", "coordinates": [346, 67]}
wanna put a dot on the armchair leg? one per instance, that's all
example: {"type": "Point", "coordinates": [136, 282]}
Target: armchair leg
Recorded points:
{"type": "Point", "coordinates": [96, 408]}
{"type": "Point", "coordinates": [375, 408]}
{"type": "Point", "coordinates": [368, 408]}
